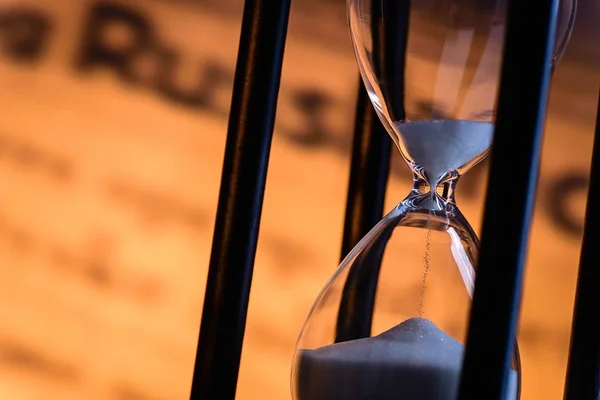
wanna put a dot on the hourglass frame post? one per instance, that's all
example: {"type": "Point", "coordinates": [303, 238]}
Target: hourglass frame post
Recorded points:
{"type": "Point", "coordinates": [369, 171]}
{"type": "Point", "coordinates": [514, 166]}
{"type": "Point", "coordinates": [583, 370]}
{"type": "Point", "coordinates": [250, 130]}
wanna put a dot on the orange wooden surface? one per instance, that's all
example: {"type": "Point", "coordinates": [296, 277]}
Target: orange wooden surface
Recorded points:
{"type": "Point", "coordinates": [108, 192]}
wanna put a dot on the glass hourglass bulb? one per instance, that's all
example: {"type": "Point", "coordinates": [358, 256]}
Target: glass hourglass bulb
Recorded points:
{"type": "Point", "coordinates": [391, 322]}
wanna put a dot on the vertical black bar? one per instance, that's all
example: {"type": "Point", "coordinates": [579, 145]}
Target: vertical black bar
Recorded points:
{"type": "Point", "coordinates": [251, 121]}
{"type": "Point", "coordinates": [583, 371]}
{"type": "Point", "coordinates": [510, 196]}
{"type": "Point", "coordinates": [369, 171]}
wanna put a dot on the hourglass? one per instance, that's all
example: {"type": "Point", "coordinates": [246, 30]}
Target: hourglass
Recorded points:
{"type": "Point", "coordinates": [391, 322]}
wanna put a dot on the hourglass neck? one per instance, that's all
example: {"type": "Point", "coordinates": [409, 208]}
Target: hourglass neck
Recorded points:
{"type": "Point", "coordinates": [433, 195]}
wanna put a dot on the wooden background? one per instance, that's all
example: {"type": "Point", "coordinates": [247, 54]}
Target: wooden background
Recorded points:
{"type": "Point", "coordinates": [109, 183]}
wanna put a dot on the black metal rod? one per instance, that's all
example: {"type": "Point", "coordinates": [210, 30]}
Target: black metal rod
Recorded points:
{"type": "Point", "coordinates": [522, 103]}
{"type": "Point", "coordinates": [583, 371]}
{"type": "Point", "coordinates": [251, 121]}
{"type": "Point", "coordinates": [369, 170]}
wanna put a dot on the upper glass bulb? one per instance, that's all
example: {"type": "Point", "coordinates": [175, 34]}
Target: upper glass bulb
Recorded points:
{"type": "Point", "coordinates": [428, 60]}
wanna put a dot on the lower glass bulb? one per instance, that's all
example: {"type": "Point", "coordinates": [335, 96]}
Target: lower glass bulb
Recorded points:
{"type": "Point", "coordinates": [391, 322]}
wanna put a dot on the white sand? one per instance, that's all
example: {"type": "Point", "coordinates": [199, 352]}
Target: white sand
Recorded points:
{"type": "Point", "coordinates": [414, 361]}
{"type": "Point", "coordinates": [441, 146]}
